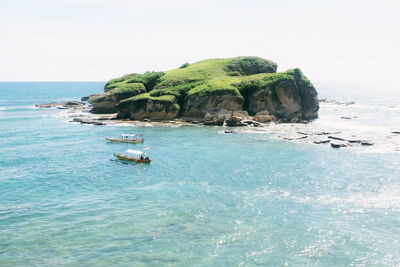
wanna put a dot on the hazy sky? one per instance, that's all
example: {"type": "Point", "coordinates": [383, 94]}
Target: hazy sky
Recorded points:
{"type": "Point", "coordinates": [77, 40]}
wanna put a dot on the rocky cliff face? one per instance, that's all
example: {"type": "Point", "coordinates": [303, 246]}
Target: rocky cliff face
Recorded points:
{"type": "Point", "coordinates": [287, 98]}
{"type": "Point", "coordinates": [282, 100]}
{"type": "Point", "coordinates": [308, 96]}
{"type": "Point", "coordinates": [107, 102]}
{"type": "Point", "coordinates": [147, 108]}
{"type": "Point", "coordinates": [197, 106]}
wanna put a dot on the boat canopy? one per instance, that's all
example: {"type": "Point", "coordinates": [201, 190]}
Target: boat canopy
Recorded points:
{"type": "Point", "coordinates": [132, 135]}
{"type": "Point", "coordinates": [135, 151]}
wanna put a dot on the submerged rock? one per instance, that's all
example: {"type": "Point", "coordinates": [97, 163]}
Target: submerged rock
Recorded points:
{"type": "Point", "coordinates": [365, 143]}
{"type": "Point", "coordinates": [88, 121]}
{"type": "Point", "coordinates": [69, 104]}
{"type": "Point", "coordinates": [322, 141]}
{"type": "Point", "coordinates": [339, 145]}
{"type": "Point", "coordinates": [336, 138]}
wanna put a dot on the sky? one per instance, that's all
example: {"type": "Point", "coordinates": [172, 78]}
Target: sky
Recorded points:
{"type": "Point", "coordinates": [96, 40]}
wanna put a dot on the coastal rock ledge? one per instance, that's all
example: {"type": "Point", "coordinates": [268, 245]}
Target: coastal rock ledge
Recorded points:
{"type": "Point", "coordinates": [206, 89]}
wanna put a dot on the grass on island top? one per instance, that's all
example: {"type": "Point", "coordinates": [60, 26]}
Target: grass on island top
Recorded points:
{"type": "Point", "coordinates": [241, 75]}
{"type": "Point", "coordinates": [122, 87]}
{"type": "Point", "coordinates": [168, 98]}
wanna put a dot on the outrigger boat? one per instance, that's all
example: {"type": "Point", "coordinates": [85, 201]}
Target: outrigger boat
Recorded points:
{"type": "Point", "coordinates": [141, 159]}
{"type": "Point", "coordinates": [126, 138]}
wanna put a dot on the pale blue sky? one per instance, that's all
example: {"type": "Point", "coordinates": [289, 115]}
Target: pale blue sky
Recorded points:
{"type": "Point", "coordinates": [76, 40]}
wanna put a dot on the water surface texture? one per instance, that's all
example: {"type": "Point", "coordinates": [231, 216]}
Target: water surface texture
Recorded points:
{"type": "Point", "coordinates": [207, 199]}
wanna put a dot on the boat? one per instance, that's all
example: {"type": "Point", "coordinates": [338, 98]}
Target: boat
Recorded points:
{"type": "Point", "coordinates": [127, 138]}
{"type": "Point", "coordinates": [140, 159]}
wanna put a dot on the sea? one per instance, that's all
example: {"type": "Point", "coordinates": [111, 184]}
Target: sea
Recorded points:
{"type": "Point", "coordinates": [255, 197]}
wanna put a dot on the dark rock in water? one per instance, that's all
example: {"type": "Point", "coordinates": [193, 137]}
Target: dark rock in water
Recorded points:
{"type": "Point", "coordinates": [346, 118]}
{"type": "Point", "coordinates": [336, 138]}
{"type": "Point", "coordinates": [354, 141]}
{"type": "Point", "coordinates": [367, 144]}
{"type": "Point", "coordinates": [210, 123]}
{"type": "Point", "coordinates": [61, 105]}
{"type": "Point", "coordinates": [234, 121]}
{"type": "Point", "coordinates": [73, 104]}
{"type": "Point", "coordinates": [327, 133]}
{"type": "Point", "coordinates": [98, 123]}
{"type": "Point", "coordinates": [323, 100]}
{"type": "Point", "coordinates": [338, 145]}
{"type": "Point", "coordinates": [322, 141]}
{"type": "Point", "coordinates": [294, 138]}
{"type": "Point", "coordinates": [85, 98]}
{"type": "Point", "coordinates": [88, 121]}
{"type": "Point", "coordinates": [228, 131]}
{"type": "Point", "coordinates": [396, 132]}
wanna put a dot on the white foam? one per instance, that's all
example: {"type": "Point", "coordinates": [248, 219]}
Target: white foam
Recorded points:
{"type": "Point", "coordinates": [387, 197]}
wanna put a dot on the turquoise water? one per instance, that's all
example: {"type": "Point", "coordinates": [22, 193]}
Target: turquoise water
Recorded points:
{"type": "Point", "coordinates": [207, 199]}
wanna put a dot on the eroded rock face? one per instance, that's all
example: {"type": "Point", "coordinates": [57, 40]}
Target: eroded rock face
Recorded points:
{"type": "Point", "coordinates": [282, 101]}
{"type": "Point", "coordinates": [198, 106]}
{"type": "Point", "coordinates": [148, 109]}
{"type": "Point", "coordinates": [287, 100]}
{"type": "Point", "coordinates": [308, 96]}
{"type": "Point", "coordinates": [107, 102]}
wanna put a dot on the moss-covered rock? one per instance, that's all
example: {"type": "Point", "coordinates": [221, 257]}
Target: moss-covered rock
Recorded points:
{"type": "Point", "coordinates": [148, 79]}
{"type": "Point", "coordinates": [107, 102]}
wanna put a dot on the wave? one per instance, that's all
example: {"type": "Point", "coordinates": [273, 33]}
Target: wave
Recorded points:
{"type": "Point", "coordinates": [22, 107]}
{"type": "Point", "coordinates": [387, 197]}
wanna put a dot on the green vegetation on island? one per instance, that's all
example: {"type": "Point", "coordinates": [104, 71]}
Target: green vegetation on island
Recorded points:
{"type": "Point", "coordinates": [242, 83]}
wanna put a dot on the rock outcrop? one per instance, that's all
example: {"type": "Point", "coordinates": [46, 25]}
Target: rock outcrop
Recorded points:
{"type": "Point", "coordinates": [163, 108]}
{"type": "Point", "coordinates": [196, 106]}
{"type": "Point", "coordinates": [107, 102]}
{"type": "Point", "coordinates": [264, 117]}
{"type": "Point", "coordinates": [208, 90]}
{"type": "Point", "coordinates": [291, 96]}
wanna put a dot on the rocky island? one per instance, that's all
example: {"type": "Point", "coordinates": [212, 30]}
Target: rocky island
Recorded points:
{"type": "Point", "coordinates": [214, 92]}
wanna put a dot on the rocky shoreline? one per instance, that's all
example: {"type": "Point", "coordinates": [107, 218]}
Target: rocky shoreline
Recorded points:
{"type": "Point", "coordinates": [81, 112]}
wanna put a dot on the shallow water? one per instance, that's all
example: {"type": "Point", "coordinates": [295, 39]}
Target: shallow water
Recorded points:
{"type": "Point", "coordinates": [207, 199]}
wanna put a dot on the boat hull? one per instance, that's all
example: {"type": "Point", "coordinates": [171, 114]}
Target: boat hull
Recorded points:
{"type": "Point", "coordinates": [131, 159]}
{"type": "Point", "coordinates": [120, 140]}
